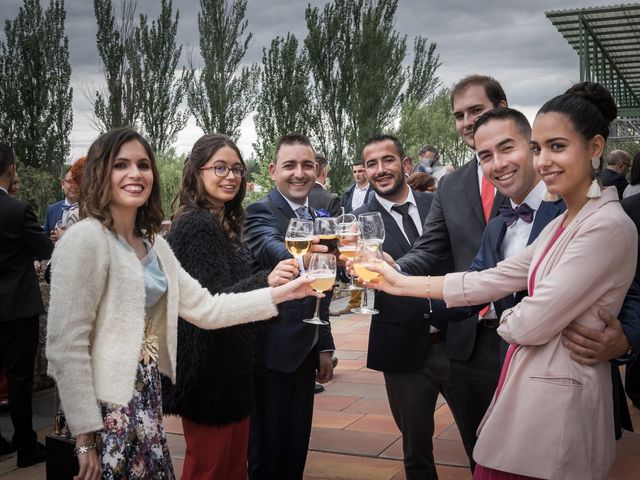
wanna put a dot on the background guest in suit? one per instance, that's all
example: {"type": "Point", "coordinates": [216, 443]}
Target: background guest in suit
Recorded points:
{"type": "Point", "coordinates": [616, 171]}
{"type": "Point", "coordinates": [214, 389]}
{"type": "Point", "coordinates": [543, 394]}
{"type": "Point", "coordinates": [57, 212]}
{"type": "Point", "coordinates": [631, 205]}
{"type": "Point", "coordinates": [429, 162]}
{"type": "Point", "coordinates": [292, 351]}
{"type": "Point", "coordinates": [22, 240]}
{"type": "Point", "coordinates": [465, 200]}
{"type": "Point", "coordinates": [319, 198]}
{"type": "Point", "coordinates": [414, 378]}
{"type": "Point", "coordinates": [358, 192]}
{"type": "Point", "coordinates": [634, 178]}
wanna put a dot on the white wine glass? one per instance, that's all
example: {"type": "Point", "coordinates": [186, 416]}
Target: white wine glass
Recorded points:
{"type": "Point", "coordinates": [371, 226]}
{"type": "Point", "coordinates": [348, 236]}
{"type": "Point", "coordinates": [367, 251]}
{"type": "Point", "coordinates": [322, 270]}
{"type": "Point", "coordinates": [298, 239]}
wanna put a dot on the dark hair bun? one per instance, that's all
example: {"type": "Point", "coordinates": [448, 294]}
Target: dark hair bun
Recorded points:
{"type": "Point", "coordinates": [598, 96]}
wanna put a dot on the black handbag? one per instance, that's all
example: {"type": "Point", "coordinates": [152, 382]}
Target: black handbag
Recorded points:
{"type": "Point", "coordinates": [62, 462]}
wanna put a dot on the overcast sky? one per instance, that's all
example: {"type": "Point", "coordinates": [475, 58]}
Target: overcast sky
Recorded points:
{"type": "Point", "coordinates": [510, 40]}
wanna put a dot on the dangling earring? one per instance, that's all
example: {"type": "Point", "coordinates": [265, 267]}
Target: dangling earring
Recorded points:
{"type": "Point", "coordinates": [594, 190]}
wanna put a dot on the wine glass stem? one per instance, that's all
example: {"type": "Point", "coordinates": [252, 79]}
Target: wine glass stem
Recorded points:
{"type": "Point", "coordinates": [365, 298]}
{"type": "Point", "coordinates": [301, 263]}
{"type": "Point", "coordinates": [317, 314]}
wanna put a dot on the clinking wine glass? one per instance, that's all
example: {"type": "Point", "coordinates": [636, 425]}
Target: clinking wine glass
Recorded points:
{"type": "Point", "coordinates": [326, 229]}
{"type": "Point", "coordinates": [322, 270]}
{"type": "Point", "coordinates": [298, 239]}
{"type": "Point", "coordinates": [371, 226]}
{"type": "Point", "coordinates": [367, 251]}
{"type": "Point", "coordinates": [348, 236]}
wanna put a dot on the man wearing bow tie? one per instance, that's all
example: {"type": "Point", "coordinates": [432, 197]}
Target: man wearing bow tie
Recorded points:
{"type": "Point", "coordinates": [292, 353]}
{"type": "Point", "coordinates": [502, 140]}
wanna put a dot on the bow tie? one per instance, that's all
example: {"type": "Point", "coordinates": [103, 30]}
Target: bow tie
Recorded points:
{"type": "Point", "coordinates": [510, 215]}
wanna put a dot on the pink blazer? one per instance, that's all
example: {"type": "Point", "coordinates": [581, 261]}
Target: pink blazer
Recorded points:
{"type": "Point", "coordinates": [554, 417]}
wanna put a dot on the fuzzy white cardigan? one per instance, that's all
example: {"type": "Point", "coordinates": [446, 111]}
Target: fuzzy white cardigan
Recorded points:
{"type": "Point", "coordinates": [97, 318]}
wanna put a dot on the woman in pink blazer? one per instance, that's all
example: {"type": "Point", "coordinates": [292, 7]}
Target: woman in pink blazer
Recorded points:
{"type": "Point", "coordinates": [551, 418]}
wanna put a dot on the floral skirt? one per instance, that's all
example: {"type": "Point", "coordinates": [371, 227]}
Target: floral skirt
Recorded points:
{"type": "Point", "coordinates": [133, 444]}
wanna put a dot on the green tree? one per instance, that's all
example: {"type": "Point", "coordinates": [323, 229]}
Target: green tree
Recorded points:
{"type": "Point", "coordinates": [433, 124]}
{"type": "Point", "coordinates": [220, 96]}
{"type": "Point", "coordinates": [359, 78]}
{"type": "Point", "coordinates": [38, 188]}
{"type": "Point", "coordinates": [35, 91]}
{"type": "Point", "coordinates": [170, 170]}
{"type": "Point", "coordinates": [160, 94]}
{"type": "Point", "coordinates": [283, 101]}
{"type": "Point", "coordinates": [118, 107]}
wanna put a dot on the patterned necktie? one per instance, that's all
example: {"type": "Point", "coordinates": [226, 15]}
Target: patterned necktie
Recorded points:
{"type": "Point", "coordinates": [408, 226]}
{"type": "Point", "coordinates": [303, 213]}
{"type": "Point", "coordinates": [511, 215]}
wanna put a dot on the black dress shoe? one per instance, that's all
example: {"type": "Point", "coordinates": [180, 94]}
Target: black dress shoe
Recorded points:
{"type": "Point", "coordinates": [34, 453]}
{"type": "Point", "coordinates": [6, 447]}
{"type": "Point", "coordinates": [319, 388]}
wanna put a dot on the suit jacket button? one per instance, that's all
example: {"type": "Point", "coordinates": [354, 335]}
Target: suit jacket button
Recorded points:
{"type": "Point", "coordinates": [427, 316]}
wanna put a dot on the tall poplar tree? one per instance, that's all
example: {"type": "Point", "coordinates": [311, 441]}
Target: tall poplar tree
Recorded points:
{"type": "Point", "coordinates": [35, 91]}
{"type": "Point", "coordinates": [118, 106]}
{"type": "Point", "coordinates": [283, 104]}
{"type": "Point", "coordinates": [160, 93]}
{"type": "Point", "coordinates": [359, 78]}
{"type": "Point", "coordinates": [222, 94]}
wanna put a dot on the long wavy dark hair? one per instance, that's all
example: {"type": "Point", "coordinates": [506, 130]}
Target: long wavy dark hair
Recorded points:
{"type": "Point", "coordinates": [193, 195]}
{"type": "Point", "coordinates": [95, 189]}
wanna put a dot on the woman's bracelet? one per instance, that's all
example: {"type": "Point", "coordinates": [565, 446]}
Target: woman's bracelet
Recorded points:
{"type": "Point", "coordinates": [82, 449]}
{"type": "Point", "coordinates": [429, 293]}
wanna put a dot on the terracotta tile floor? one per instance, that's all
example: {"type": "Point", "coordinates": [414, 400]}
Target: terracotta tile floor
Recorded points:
{"type": "Point", "coordinates": [354, 436]}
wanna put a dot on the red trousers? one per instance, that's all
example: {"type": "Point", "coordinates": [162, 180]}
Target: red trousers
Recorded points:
{"type": "Point", "coordinates": [215, 452]}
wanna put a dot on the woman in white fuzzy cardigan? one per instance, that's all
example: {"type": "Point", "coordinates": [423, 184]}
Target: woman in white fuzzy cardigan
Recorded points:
{"type": "Point", "coordinates": [116, 293]}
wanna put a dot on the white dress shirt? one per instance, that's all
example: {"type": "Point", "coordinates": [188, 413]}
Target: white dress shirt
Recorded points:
{"type": "Point", "coordinates": [517, 235]}
{"type": "Point", "coordinates": [359, 196]}
{"type": "Point", "coordinates": [413, 212]}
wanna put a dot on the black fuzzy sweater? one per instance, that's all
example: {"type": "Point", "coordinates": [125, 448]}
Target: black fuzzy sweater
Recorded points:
{"type": "Point", "coordinates": [215, 369]}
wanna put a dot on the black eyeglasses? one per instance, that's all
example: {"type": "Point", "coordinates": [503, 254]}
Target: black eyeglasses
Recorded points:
{"type": "Point", "coordinates": [223, 170]}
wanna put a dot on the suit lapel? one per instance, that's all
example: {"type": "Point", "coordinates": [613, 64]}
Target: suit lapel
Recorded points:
{"type": "Point", "coordinates": [283, 210]}
{"type": "Point", "coordinates": [392, 231]}
{"type": "Point", "coordinates": [499, 239]}
{"type": "Point", "coordinates": [547, 212]}
{"type": "Point", "coordinates": [470, 182]}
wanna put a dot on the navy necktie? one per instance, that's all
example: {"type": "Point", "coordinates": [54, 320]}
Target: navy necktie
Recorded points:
{"type": "Point", "coordinates": [510, 215]}
{"type": "Point", "coordinates": [408, 225]}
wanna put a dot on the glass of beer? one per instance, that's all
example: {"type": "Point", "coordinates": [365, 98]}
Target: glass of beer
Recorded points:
{"type": "Point", "coordinates": [367, 252]}
{"type": "Point", "coordinates": [299, 238]}
{"type": "Point", "coordinates": [348, 236]}
{"type": "Point", "coordinates": [326, 229]}
{"type": "Point", "coordinates": [322, 270]}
